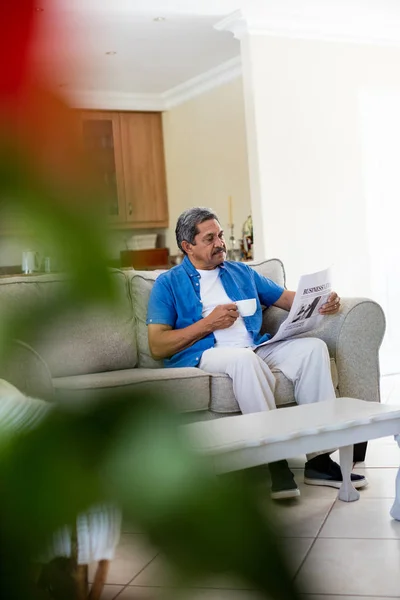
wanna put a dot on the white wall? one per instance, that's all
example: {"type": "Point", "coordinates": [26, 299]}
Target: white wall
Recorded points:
{"type": "Point", "coordinates": [380, 124]}
{"type": "Point", "coordinates": [206, 156]}
{"type": "Point", "coordinates": [11, 248]}
{"type": "Point", "coordinates": [308, 133]}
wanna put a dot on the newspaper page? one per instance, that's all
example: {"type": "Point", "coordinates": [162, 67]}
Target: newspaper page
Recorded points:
{"type": "Point", "coordinates": [312, 292]}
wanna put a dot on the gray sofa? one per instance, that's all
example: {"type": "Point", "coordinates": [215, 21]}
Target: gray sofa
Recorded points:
{"type": "Point", "coordinates": [85, 352]}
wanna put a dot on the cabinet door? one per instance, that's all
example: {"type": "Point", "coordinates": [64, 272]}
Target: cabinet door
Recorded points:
{"type": "Point", "coordinates": [102, 140]}
{"type": "Point", "coordinates": [144, 169]}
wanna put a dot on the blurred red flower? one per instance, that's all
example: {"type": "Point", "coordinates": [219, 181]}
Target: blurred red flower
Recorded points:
{"type": "Point", "coordinates": [16, 35]}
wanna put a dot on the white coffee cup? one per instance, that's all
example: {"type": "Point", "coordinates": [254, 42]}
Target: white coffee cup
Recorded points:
{"type": "Point", "coordinates": [246, 308]}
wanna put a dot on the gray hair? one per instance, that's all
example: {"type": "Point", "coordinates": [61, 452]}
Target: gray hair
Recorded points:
{"type": "Point", "coordinates": [186, 226]}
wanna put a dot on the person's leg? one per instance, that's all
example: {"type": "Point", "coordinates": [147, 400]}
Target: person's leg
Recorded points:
{"type": "Point", "coordinates": [305, 362]}
{"type": "Point", "coordinates": [252, 380]}
{"type": "Point", "coordinates": [253, 386]}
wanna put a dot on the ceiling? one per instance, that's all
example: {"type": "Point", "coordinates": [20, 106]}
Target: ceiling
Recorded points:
{"type": "Point", "coordinates": [151, 57]}
{"type": "Point", "coordinates": [116, 54]}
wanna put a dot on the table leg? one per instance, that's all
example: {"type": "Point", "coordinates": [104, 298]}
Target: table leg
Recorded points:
{"type": "Point", "coordinates": [347, 492]}
{"type": "Point", "coordinates": [395, 510]}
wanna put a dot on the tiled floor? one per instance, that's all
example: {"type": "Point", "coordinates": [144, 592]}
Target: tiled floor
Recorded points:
{"type": "Point", "coordinates": [337, 551]}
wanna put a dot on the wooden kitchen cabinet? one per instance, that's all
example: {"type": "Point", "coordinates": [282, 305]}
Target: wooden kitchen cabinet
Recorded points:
{"type": "Point", "coordinates": [128, 153]}
{"type": "Point", "coordinates": [102, 140]}
{"type": "Point", "coordinates": [144, 169]}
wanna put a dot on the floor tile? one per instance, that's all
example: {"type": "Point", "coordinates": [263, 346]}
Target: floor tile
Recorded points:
{"type": "Point", "coordinates": [148, 593]}
{"type": "Point", "coordinates": [330, 597]}
{"type": "Point", "coordinates": [133, 553]}
{"type": "Point", "coordinates": [382, 453]}
{"type": "Point", "coordinates": [158, 574]}
{"type": "Point", "coordinates": [132, 593]}
{"type": "Point", "coordinates": [110, 591]}
{"type": "Point", "coordinates": [394, 398]}
{"type": "Point", "coordinates": [352, 567]}
{"type": "Point", "coordinates": [381, 482]}
{"type": "Point", "coordinates": [390, 389]}
{"type": "Point", "coordinates": [220, 595]}
{"type": "Point", "coordinates": [302, 517]}
{"type": "Point", "coordinates": [295, 550]}
{"type": "Point", "coordinates": [387, 385]}
{"type": "Point", "coordinates": [366, 518]}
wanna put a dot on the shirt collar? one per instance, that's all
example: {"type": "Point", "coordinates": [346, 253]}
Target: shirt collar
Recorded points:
{"type": "Point", "coordinates": [191, 269]}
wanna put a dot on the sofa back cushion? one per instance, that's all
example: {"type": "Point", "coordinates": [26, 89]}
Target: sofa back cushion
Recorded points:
{"type": "Point", "coordinates": [141, 283]}
{"type": "Point", "coordinates": [272, 316]}
{"type": "Point", "coordinates": [272, 268]}
{"type": "Point", "coordinates": [80, 338]}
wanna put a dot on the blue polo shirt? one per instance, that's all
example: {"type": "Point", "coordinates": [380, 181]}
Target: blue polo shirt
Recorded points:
{"type": "Point", "coordinates": [175, 301]}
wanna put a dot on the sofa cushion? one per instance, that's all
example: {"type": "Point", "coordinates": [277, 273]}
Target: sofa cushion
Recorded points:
{"type": "Point", "coordinates": [224, 401]}
{"type": "Point", "coordinates": [188, 388]}
{"type": "Point", "coordinates": [141, 283]}
{"type": "Point", "coordinates": [272, 268]}
{"type": "Point", "coordinates": [75, 338]}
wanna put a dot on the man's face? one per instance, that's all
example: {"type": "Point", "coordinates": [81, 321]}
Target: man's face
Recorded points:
{"type": "Point", "coordinates": [209, 249]}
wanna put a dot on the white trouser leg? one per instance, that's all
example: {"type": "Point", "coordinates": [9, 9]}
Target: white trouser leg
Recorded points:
{"type": "Point", "coordinates": [253, 382]}
{"type": "Point", "coordinates": [305, 362]}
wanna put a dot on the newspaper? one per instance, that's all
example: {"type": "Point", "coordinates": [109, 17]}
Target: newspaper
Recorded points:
{"type": "Point", "coordinates": [312, 292]}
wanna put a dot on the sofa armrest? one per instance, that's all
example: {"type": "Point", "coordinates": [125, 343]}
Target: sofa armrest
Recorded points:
{"type": "Point", "coordinates": [353, 337]}
{"type": "Point", "coordinates": [27, 371]}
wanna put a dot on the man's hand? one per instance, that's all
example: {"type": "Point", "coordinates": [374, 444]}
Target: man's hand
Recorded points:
{"type": "Point", "coordinates": [331, 306]}
{"type": "Point", "coordinates": [223, 316]}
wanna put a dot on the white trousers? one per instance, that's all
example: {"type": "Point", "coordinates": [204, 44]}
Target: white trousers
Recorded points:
{"type": "Point", "coordinates": [304, 361]}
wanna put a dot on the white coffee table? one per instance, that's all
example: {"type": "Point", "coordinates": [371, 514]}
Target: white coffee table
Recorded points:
{"type": "Point", "coordinates": [244, 441]}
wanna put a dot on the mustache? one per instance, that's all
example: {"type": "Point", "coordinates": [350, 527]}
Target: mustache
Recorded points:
{"type": "Point", "coordinates": [220, 250]}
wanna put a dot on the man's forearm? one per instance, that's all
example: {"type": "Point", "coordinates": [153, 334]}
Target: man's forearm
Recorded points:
{"type": "Point", "coordinates": [286, 300]}
{"type": "Point", "coordinates": [168, 342]}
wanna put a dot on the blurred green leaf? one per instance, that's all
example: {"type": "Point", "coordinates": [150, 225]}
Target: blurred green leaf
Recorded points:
{"type": "Point", "coordinates": [130, 451]}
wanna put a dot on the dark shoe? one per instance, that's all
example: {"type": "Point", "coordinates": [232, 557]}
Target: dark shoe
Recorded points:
{"type": "Point", "coordinates": [322, 470]}
{"type": "Point", "coordinates": [283, 483]}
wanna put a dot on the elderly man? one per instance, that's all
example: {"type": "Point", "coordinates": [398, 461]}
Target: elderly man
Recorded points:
{"type": "Point", "coordinates": [193, 321]}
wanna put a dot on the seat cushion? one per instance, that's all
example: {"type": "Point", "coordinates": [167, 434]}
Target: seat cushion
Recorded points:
{"type": "Point", "coordinates": [223, 400]}
{"type": "Point", "coordinates": [188, 388]}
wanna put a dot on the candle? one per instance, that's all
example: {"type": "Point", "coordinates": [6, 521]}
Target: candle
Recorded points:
{"type": "Point", "coordinates": [230, 211]}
